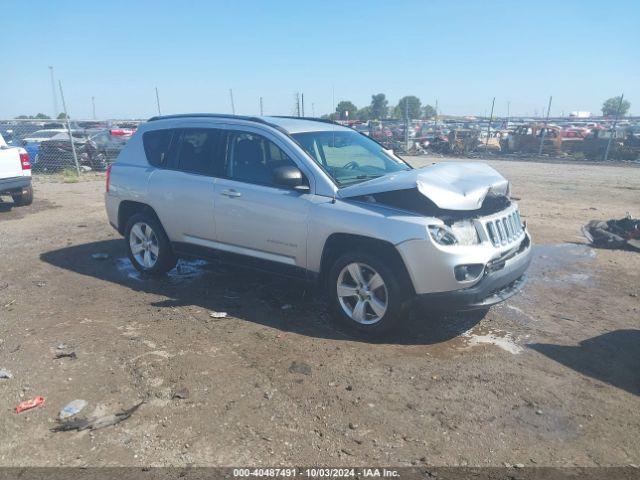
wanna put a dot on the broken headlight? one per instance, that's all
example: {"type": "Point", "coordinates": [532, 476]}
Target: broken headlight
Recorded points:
{"type": "Point", "coordinates": [442, 235]}
{"type": "Point", "coordinates": [459, 233]}
{"type": "Point", "coordinates": [465, 232]}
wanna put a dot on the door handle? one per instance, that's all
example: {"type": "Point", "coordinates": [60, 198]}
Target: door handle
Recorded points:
{"type": "Point", "coordinates": [230, 193]}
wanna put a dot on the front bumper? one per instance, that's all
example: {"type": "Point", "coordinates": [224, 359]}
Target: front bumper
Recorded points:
{"type": "Point", "coordinates": [501, 281]}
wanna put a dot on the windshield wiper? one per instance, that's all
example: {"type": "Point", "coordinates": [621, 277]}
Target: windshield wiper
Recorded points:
{"type": "Point", "coordinates": [350, 180]}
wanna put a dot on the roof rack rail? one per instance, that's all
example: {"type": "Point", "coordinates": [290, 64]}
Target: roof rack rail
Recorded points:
{"type": "Point", "coordinates": [205, 115]}
{"type": "Point", "coordinates": [219, 115]}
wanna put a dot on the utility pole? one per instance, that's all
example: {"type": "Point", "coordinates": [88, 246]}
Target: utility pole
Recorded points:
{"type": "Point", "coordinates": [158, 101]}
{"type": "Point", "coordinates": [406, 123]}
{"type": "Point", "coordinates": [313, 110]}
{"type": "Point", "coordinates": [53, 93]}
{"type": "Point", "coordinates": [93, 106]}
{"type": "Point", "coordinates": [66, 114]}
{"type": "Point", "coordinates": [303, 104]}
{"type": "Point", "coordinates": [486, 145]}
{"type": "Point", "coordinates": [508, 113]}
{"type": "Point", "coordinates": [261, 109]}
{"type": "Point", "coordinates": [233, 107]}
{"type": "Point", "coordinates": [613, 129]}
{"type": "Point", "coordinates": [435, 119]}
{"type": "Point", "coordinates": [544, 131]}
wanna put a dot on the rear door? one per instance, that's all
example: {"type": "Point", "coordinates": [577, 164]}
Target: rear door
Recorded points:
{"type": "Point", "coordinates": [181, 188]}
{"type": "Point", "coordinates": [254, 217]}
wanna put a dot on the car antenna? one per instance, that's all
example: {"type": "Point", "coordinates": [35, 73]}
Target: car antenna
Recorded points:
{"type": "Point", "coordinates": [333, 199]}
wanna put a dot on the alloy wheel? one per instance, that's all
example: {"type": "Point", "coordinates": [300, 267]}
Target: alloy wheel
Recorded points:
{"type": "Point", "coordinates": [362, 293]}
{"type": "Point", "coordinates": [144, 245]}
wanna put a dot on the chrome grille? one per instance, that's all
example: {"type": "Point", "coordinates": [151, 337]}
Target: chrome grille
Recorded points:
{"type": "Point", "coordinates": [505, 229]}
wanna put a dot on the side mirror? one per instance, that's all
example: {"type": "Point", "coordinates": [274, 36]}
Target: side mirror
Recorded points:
{"type": "Point", "coordinates": [290, 177]}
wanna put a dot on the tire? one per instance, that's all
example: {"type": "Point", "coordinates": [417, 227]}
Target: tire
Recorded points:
{"type": "Point", "coordinates": [144, 230]}
{"type": "Point", "coordinates": [25, 198]}
{"type": "Point", "coordinates": [374, 319]}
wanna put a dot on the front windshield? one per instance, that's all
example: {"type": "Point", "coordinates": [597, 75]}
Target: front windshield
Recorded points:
{"type": "Point", "coordinates": [349, 157]}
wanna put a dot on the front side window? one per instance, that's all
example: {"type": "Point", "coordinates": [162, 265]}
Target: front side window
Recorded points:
{"type": "Point", "coordinates": [252, 158]}
{"type": "Point", "coordinates": [349, 157]}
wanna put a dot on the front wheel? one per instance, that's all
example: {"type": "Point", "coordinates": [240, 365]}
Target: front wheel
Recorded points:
{"type": "Point", "coordinates": [148, 247]}
{"type": "Point", "coordinates": [365, 293]}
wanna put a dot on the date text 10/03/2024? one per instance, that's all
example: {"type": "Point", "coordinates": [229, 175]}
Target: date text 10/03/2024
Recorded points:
{"type": "Point", "coordinates": [316, 472]}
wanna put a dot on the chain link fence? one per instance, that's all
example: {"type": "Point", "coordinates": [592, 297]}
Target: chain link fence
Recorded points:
{"type": "Point", "coordinates": [55, 145]}
{"type": "Point", "coordinates": [527, 137]}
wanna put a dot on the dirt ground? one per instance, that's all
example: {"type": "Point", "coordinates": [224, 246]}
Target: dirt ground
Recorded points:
{"type": "Point", "coordinates": [550, 378]}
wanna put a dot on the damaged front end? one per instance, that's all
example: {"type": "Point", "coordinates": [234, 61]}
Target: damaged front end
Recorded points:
{"type": "Point", "coordinates": [477, 247]}
{"type": "Point", "coordinates": [456, 194]}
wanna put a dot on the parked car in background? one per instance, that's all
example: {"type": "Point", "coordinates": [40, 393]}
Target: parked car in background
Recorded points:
{"type": "Point", "coordinates": [15, 174]}
{"type": "Point", "coordinates": [318, 201]}
{"type": "Point", "coordinates": [31, 143]}
{"type": "Point", "coordinates": [109, 143]}
{"type": "Point", "coordinates": [42, 135]}
{"type": "Point", "coordinates": [56, 153]}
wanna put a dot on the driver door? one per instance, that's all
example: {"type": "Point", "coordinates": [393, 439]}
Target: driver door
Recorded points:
{"type": "Point", "coordinates": [254, 217]}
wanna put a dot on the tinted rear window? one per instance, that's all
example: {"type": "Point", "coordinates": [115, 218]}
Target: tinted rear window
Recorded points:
{"type": "Point", "coordinates": [156, 146]}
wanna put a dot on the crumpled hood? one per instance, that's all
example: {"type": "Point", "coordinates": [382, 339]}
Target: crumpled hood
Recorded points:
{"type": "Point", "coordinates": [450, 185]}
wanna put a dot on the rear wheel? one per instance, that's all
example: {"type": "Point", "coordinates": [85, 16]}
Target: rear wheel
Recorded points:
{"type": "Point", "coordinates": [365, 293]}
{"type": "Point", "coordinates": [25, 198]}
{"type": "Point", "coordinates": [148, 247]}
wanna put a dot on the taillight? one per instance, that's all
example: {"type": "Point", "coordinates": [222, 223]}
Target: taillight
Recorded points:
{"type": "Point", "coordinates": [24, 161]}
{"type": "Point", "coordinates": [108, 177]}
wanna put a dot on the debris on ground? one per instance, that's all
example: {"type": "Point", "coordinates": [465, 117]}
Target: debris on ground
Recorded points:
{"type": "Point", "coordinates": [182, 394]}
{"type": "Point", "coordinates": [217, 314]}
{"type": "Point", "coordinates": [300, 367]}
{"type": "Point", "coordinates": [80, 424]}
{"type": "Point", "coordinates": [100, 256]}
{"type": "Point", "coordinates": [72, 408]}
{"type": "Point", "coordinates": [286, 307]}
{"type": "Point", "coordinates": [29, 404]}
{"type": "Point", "coordinates": [5, 373]}
{"type": "Point", "coordinates": [71, 355]}
{"type": "Point", "coordinates": [621, 233]}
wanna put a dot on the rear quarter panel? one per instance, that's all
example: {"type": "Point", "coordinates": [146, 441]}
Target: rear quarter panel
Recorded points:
{"type": "Point", "coordinates": [129, 175]}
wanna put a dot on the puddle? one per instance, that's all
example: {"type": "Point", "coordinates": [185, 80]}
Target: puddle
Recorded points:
{"type": "Point", "coordinates": [548, 423]}
{"type": "Point", "coordinates": [517, 314]}
{"type": "Point", "coordinates": [498, 338]}
{"type": "Point", "coordinates": [185, 270]}
{"type": "Point", "coordinates": [562, 264]}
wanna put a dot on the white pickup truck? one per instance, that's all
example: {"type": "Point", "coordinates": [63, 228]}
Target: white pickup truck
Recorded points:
{"type": "Point", "coordinates": [15, 174]}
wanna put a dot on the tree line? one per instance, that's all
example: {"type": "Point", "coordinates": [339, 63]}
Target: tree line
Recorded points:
{"type": "Point", "coordinates": [379, 108]}
{"type": "Point", "coordinates": [40, 116]}
{"type": "Point", "coordinates": [410, 107]}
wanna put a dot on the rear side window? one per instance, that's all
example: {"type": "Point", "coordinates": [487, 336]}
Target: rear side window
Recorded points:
{"type": "Point", "coordinates": [199, 150]}
{"type": "Point", "coordinates": [156, 146]}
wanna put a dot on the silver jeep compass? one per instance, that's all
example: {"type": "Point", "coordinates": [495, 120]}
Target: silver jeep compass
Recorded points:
{"type": "Point", "coordinates": [320, 201]}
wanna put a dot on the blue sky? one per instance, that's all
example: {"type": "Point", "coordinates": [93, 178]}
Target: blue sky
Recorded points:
{"type": "Point", "coordinates": [461, 52]}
